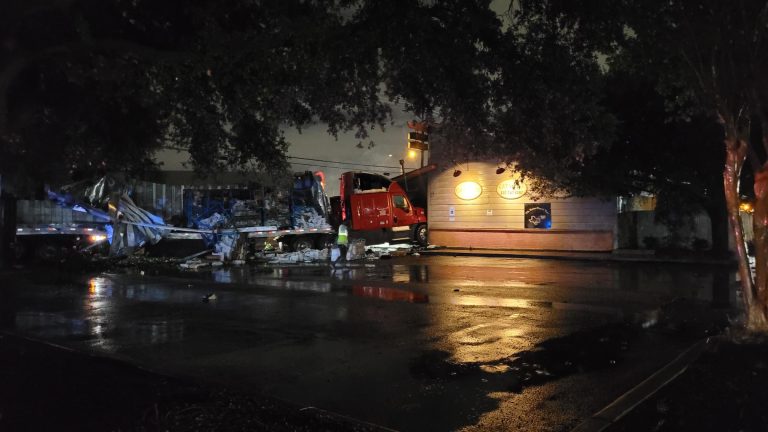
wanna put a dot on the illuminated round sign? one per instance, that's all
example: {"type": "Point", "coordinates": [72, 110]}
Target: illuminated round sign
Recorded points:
{"type": "Point", "coordinates": [468, 190]}
{"type": "Point", "coordinates": [511, 189]}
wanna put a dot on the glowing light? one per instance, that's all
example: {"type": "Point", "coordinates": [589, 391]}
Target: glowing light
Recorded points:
{"type": "Point", "coordinates": [468, 190]}
{"type": "Point", "coordinates": [411, 154]}
{"type": "Point", "coordinates": [511, 189]}
{"type": "Point", "coordinates": [746, 207]}
{"type": "Point", "coordinates": [97, 238]}
{"type": "Point", "coordinates": [92, 286]}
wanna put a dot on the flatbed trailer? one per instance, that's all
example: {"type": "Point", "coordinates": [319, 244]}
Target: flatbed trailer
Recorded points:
{"type": "Point", "coordinates": [48, 242]}
{"type": "Point", "coordinates": [295, 238]}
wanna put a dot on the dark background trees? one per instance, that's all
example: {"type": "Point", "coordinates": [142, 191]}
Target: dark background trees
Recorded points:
{"type": "Point", "coordinates": [706, 58]}
{"type": "Point", "coordinates": [678, 158]}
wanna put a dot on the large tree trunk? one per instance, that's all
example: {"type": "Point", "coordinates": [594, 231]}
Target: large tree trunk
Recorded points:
{"type": "Point", "coordinates": [759, 311]}
{"type": "Point", "coordinates": [7, 228]}
{"type": "Point", "coordinates": [735, 154]}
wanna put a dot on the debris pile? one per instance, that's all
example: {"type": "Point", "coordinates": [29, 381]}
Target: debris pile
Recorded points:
{"type": "Point", "coordinates": [309, 218]}
{"type": "Point", "coordinates": [356, 250]}
{"type": "Point", "coordinates": [387, 250]}
{"type": "Point", "coordinates": [304, 256]}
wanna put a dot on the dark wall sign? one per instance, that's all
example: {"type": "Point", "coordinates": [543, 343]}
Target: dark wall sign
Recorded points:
{"type": "Point", "coordinates": [538, 215]}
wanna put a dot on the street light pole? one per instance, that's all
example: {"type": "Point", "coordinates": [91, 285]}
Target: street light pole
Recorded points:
{"type": "Point", "coordinates": [405, 178]}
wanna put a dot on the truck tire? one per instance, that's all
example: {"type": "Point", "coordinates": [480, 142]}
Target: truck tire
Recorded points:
{"type": "Point", "coordinates": [302, 242]}
{"type": "Point", "coordinates": [324, 241]}
{"type": "Point", "coordinates": [421, 235]}
{"type": "Point", "coordinates": [48, 253]}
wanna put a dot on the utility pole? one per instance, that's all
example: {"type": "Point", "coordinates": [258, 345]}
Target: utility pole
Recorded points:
{"type": "Point", "coordinates": [402, 170]}
{"type": "Point", "coordinates": [419, 138]}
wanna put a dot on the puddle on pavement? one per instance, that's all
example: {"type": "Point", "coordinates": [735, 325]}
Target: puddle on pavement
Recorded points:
{"type": "Point", "coordinates": [389, 294]}
{"type": "Point", "coordinates": [583, 351]}
{"type": "Point", "coordinates": [579, 352]}
{"type": "Point", "coordinates": [158, 331]}
{"type": "Point", "coordinates": [471, 300]}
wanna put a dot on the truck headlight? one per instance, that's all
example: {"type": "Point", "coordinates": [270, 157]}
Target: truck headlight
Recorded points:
{"type": "Point", "coordinates": [97, 238]}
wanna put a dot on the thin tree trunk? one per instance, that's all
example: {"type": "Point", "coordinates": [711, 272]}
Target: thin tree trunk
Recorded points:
{"type": "Point", "coordinates": [735, 155]}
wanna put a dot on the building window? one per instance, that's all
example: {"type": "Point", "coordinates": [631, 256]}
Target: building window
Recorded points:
{"type": "Point", "coordinates": [538, 215]}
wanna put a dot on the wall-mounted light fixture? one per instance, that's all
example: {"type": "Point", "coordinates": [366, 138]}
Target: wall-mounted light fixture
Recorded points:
{"type": "Point", "coordinates": [468, 190]}
{"type": "Point", "coordinates": [456, 171]}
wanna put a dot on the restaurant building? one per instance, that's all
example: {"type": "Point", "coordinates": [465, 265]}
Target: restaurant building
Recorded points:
{"type": "Point", "coordinates": [473, 206]}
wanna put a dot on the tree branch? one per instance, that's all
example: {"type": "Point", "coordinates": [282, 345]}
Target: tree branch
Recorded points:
{"type": "Point", "coordinates": [16, 65]}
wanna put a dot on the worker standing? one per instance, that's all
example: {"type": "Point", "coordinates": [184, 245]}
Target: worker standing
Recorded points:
{"type": "Point", "coordinates": [342, 240]}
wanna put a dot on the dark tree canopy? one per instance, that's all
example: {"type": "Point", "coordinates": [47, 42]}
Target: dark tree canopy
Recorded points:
{"type": "Point", "coordinates": [707, 57]}
{"type": "Point", "coordinates": [101, 84]}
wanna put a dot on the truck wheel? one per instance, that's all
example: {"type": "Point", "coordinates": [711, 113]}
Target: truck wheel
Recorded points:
{"type": "Point", "coordinates": [48, 253]}
{"type": "Point", "coordinates": [301, 243]}
{"type": "Point", "coordinates": [323, 241]}
{"type": "Point", "coordinates": [19, 250]}
{"type": "Point", "coordinates": [421, 235]}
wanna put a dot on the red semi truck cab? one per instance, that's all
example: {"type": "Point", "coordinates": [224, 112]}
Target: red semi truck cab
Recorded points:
{"type": "Point", "coordinates": [377, 209]}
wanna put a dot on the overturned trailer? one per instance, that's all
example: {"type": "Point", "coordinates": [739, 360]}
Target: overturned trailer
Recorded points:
{"type": "Point", "coordinates": [227, 219]}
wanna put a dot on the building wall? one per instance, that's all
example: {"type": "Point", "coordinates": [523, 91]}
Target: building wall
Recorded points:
{"type": "Point", "coordinates": [491, 221]}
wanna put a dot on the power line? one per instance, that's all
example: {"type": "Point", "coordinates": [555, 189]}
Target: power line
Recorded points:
{"type": "Point", "coordinates": [348, 164]}
{"type": "Point", "coordinates": [344, 163]}
{"type": "Point", "coordinates": [334, 167]}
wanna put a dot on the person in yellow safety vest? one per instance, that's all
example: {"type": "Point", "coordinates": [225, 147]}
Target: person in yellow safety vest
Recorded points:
{"type": "Point", "coordinates": [342, 240]}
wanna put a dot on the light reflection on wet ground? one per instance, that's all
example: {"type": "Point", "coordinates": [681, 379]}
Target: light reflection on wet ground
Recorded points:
{"type": "Point", "coordinates": [312, 335]}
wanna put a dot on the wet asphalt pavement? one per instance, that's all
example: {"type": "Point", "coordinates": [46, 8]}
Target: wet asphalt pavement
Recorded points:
{"type": "Point", "coordinates": [411, 343]}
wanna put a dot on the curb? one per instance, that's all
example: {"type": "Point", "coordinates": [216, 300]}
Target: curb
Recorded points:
{"type": "Point", "coordinates": [617, 409]}
{"type": "Point", "coordinates": [574, 257]}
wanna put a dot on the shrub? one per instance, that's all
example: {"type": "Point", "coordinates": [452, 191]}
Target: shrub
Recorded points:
{"type": "Point", "coordinates": [700, 244]}
{"type": "Point", "coordinates": [651, 242]}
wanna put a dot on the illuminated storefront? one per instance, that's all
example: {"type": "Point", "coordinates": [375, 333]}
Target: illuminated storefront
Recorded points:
{"type": "Point", "coordinates": [483, 206]}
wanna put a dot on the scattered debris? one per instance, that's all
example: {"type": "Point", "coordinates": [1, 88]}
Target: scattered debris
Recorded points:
{"type": "Point", "coordinates": [199, 254]}
{"type": "Point", "coordinates": [356, 250]}
{"type": "Point", "coordinates": [386, 247]}
{"type": "Point", "coordinates": [306, 256]}
{"type": "Point", "coordinates": [194, 264]}
{"type": "Point", "coordinates": [335, 254]}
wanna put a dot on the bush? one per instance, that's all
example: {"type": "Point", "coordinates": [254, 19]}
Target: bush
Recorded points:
{"type": "Point", "coordinates": [651, 243]}
{"type": "Point", "coordinates": [700, 244]}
